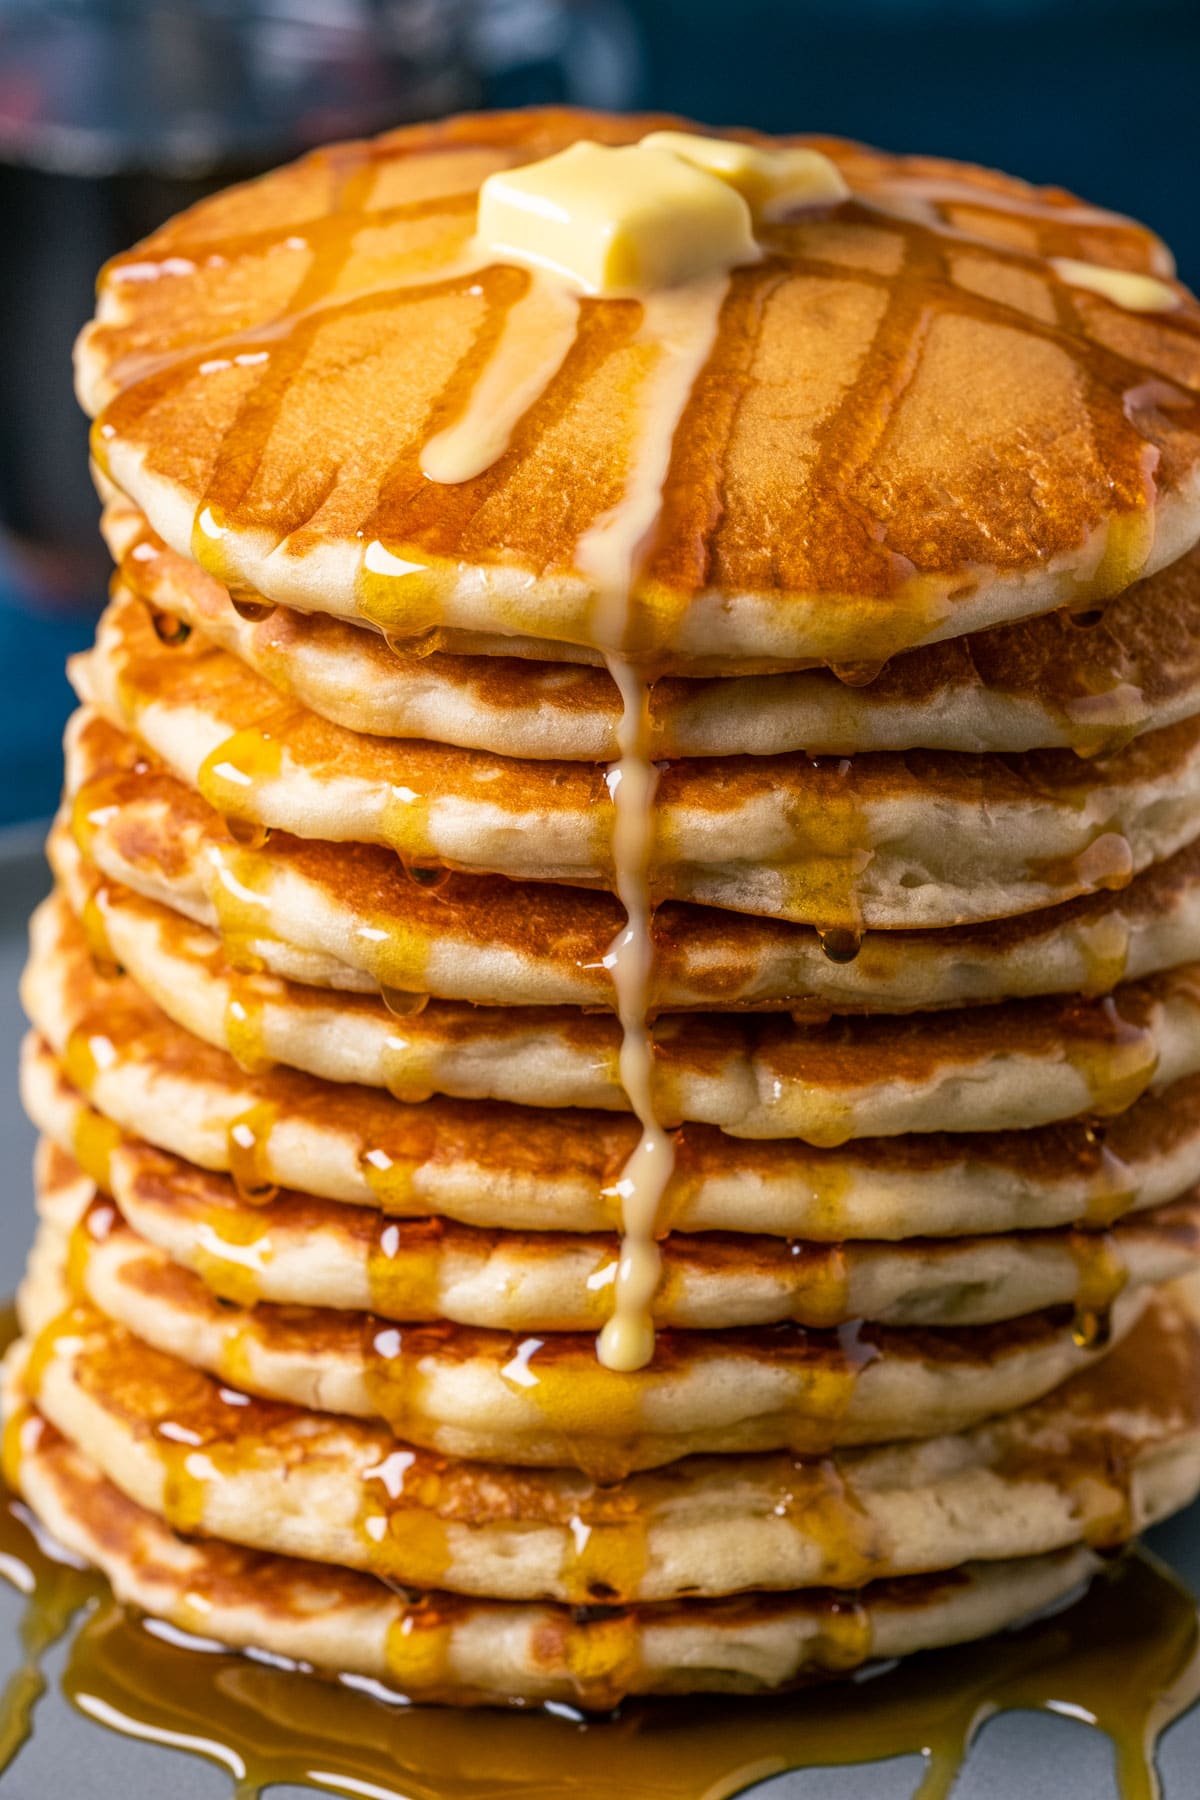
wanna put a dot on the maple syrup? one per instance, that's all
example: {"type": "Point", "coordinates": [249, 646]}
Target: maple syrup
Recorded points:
{"type": "Point", "coordinates": [1124, 1659]}
{"type": "Point", "coordinates": [249, 1160]}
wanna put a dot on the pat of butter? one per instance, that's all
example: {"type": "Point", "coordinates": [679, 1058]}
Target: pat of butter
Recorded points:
{"type": "Point", "coordinates": [772, 182]}
{"type": "Point", "coordinates": [1124, 287]}
{"type": "Point", "coordinates": [616, 221]}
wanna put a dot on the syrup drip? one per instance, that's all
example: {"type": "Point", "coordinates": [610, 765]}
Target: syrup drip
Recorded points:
{"type": "Point", "coordinates": [244, 1030]}
{"type": "Point", "coordinates": [831, 850]}
{"type": "Point", "coordinates": [402, 1004]}
{"type": "Point", "coordinates": [95, 930]}
{"type": "Point", "coordinates": [244, 832]}
{"type": "Point", "coordinates": [398, 1526]}
{"type": "Point", "coordinates": [822, 1293]}
{"type": "Point", "coordinates": [391, 1178]}
{"type": "Point", "coordinates": [1118, 1070]}
{"type": "Point", "coordinates": [249, 1162]}
{"type": "Point", "coordinates": [857, 674]}
{"type": "Point", "coordinates": [1105, 945]}
{"type": "Point", "coordinates": [100, 1217]}
{"type": "Point", "coordinates": [230, 1252]}
{"type": "Point", "coordinates": [403, 1269]}
{"type": "Point", "coordinates": [1101, 1276]}
{"type": "Point", "coordinates": [253, 611]}
{"type": "Point", "coordinates": [818, 1503]}
{"type": "Point", "coordinates": [243, 912]}
{"type": "Point", "coordinates": [394, 1377]}
{"type": "Point", "coordinates": [231, 778]}
{"type": "Point", "coordinates": [93, 1141]}
{"type": "Point", "coordinates": [607, 1552]}
{"type": "Point", "coordinates": [678, 330]}
{"type": "Point", "coordinates": [186, 1473]}
{"type": "Point", "coordinates": [169, 629]}
{"type": "Point", "coordinates": [1113, 1186]}
{"type": "Point", "coordinates": [627, 1338]}
{"type": "Point", "coordinates": [1106, 863]}
{"type": "Point", "coordinates": [429, 879]}
{"type": "Point", "coordinates": [840, 944]}
{"type": "Point", "coordinates": [1103, 723]}
{"type": "Point", "coordinates": [538, 332]}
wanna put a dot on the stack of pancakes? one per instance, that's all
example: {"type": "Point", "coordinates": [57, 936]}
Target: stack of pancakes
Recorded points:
{"type": "Point", "coordinates": [326, 1055]}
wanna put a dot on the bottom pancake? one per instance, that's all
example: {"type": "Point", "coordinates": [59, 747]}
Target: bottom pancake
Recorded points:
{"type": "Point", "coordinates": [438, 1647]}
{"type": "Point", "coordinates": [1107, 1454]}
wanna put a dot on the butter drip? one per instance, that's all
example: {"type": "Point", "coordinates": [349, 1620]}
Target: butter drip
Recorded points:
{"type": "Point", "coordinates": [1124, 287]}
{"type": "Point", "coordinates": [773, 183]}
{"type": "Point", "coordinates": [683, 325]}
{"type": "Point", "coordinates": [666, 219]}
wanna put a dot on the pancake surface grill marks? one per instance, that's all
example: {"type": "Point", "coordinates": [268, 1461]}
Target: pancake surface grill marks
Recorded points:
{"type": "Point", "coordinates": [930, 309]}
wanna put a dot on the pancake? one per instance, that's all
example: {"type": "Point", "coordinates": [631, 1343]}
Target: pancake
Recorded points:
{"type": "Point", "coordinates": [1017, 1064]}
{"type": "Point", "coordinates": [889, 840]}
{"type": "Point", "coordinates": [832, 492]}
{"type": "Point", "coordinates": [1110, 1452]}
{"type": "Point", "coordinates": [301, 1251]}
{"type": "Point", "coordinates": [545, 1401]}
{"type": "Point", "coordinates": [1084, 683]}
{"type": "Point", "coordinates": [485, 1164]}
{"type": "Point", "coordinates": [351, 916]}
{"type": "Point", "coordinates": [437, 1648]}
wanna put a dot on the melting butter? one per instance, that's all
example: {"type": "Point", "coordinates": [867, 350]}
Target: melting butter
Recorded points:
{"type": "Point", "coordinates": [610, 221]}
{"type": "Point", "coordinates": [629, 220]}
{"type": "Point", "coordinates": [1124, 287]}
{"type": "Point", "coordinates": [772, 182]}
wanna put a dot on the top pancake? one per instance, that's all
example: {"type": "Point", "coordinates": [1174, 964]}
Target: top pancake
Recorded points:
{"type": "Point", "coordinates": [909, 426]}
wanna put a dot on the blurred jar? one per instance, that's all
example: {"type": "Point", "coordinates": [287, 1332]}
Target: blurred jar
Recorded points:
{"type": "Point", "coordinates": [113, 116]}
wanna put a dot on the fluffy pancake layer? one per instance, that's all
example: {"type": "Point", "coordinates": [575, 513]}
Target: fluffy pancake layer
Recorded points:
{"type": "Point", "coordinates": [489, 1164]}
{"type": "Point", "coordinates": [1024, 1063]}
{"type": "Point", "coordinates": [352, 916]}
{"type": "Point", "coordinates": [309, 1252]}
{"type": "Point", "coordinates": [543, 1401]}
{"type": "Point", "coordinates": [887, 840]}
{"type": "Point", "coordinates": [1080, 683]}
